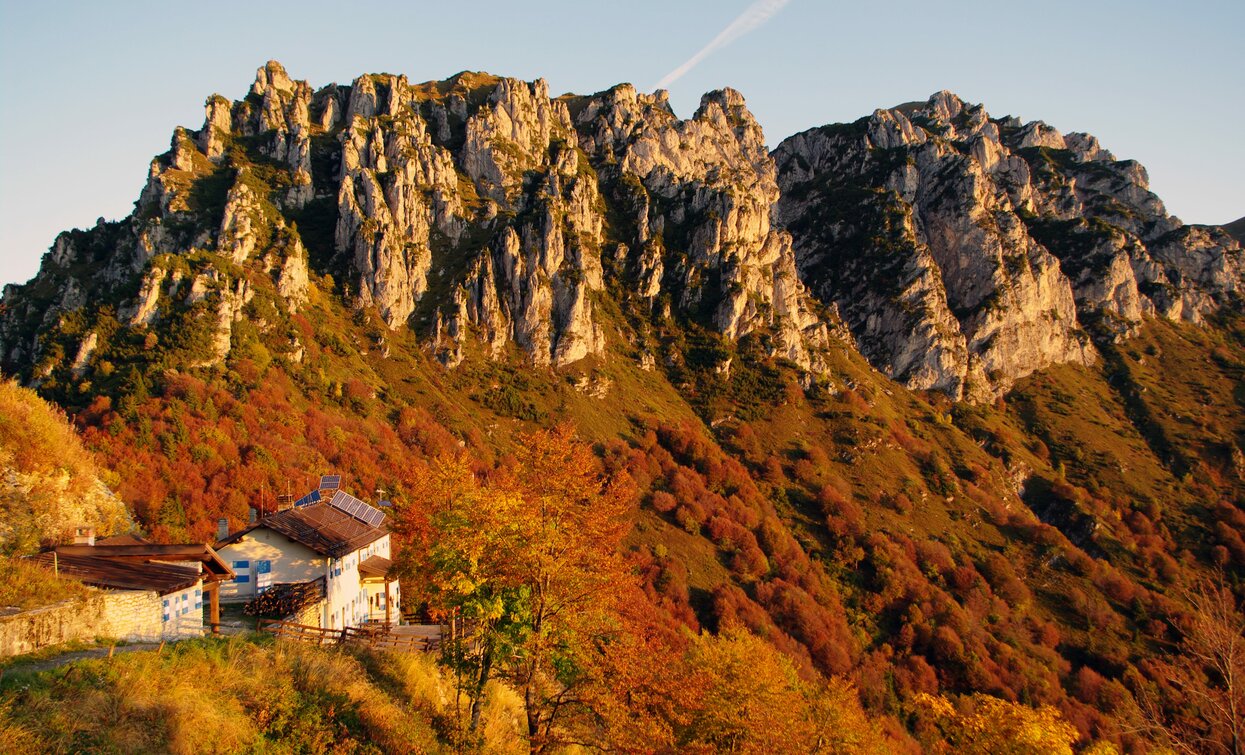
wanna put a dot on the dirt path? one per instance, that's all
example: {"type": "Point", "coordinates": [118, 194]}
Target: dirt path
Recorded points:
{"type": "Point", "coordinates": [47, 664]}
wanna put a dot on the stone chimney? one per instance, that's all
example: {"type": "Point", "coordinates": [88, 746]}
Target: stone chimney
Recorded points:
{"type": "Point", "coordinates": [84, 536]}
{"type": "Point", "coordinates": [222, 528]}
{"type": "Point", "coordinates": [251, 516]}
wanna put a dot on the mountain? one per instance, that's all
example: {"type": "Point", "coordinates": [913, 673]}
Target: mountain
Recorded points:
{"type": "Point", "coordinates": [1236, 229]}
{"type": "Point", "coordinates": [967, 251]}
{"type": "Point", "coordinates": [941, 403]}
{"type": "Point", "coordinates": [467, 208]}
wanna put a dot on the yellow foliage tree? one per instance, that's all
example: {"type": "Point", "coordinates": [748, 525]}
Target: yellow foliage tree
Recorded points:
{"type": "Point", "coordinates": [752, 700]}
{"type": "Point", "coordinates": [992, 726]}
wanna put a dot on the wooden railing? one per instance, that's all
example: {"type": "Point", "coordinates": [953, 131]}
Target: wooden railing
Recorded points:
{"type": "Point", "coordinates": [374, 636]}
{"type": "Point", "coordinates": [386, 638]}
{"type": "Point", "coordinates": [288, 630]}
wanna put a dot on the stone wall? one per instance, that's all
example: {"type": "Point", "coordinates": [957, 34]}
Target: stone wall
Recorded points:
{"type": "Point", "coordinates": [129, 615]}
{"type": "Point", "coordinates": [309, 615]}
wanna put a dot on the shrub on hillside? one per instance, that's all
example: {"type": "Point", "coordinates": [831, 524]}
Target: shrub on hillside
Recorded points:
{"type": "Point", "coordinates": [49, 484]}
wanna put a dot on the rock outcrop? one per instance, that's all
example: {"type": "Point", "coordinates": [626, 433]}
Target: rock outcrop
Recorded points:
{"type": "Point", "coordinates": [475, 209]}
{"type": "Point", "coordinates": [697, 198]}
{"type": "Point", "coordinates": [966, 252]}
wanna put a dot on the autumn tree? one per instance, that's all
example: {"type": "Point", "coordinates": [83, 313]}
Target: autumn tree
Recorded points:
{"type": "Point", "coordinates": [529, 560]}
{"type": "Point", "coordinates": [988, 725]}
{"type": "Point", "coordinates": [1204, 682]}
{"type": "Point", "coordinates": [753, 700]}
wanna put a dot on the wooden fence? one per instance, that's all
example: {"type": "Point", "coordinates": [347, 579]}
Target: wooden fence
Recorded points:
{"type": "Point", "coordinates": [418, 638]}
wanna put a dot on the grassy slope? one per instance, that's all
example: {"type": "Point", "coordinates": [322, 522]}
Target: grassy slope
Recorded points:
{"type": "Point", "coordinates": [243, 695]}
{"type": "Point", "coordinates": [49, 483]}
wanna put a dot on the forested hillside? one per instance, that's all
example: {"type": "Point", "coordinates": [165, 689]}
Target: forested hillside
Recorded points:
{"type": "Point", "coordinates": [868, 398]}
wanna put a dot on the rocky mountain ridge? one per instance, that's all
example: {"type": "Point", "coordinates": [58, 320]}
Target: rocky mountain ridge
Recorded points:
{"type": "Point", "coordinates": [963, 251]}
{"type": "Point", "coordinates": [1236, 229]}
{"type": "Point", "coordinates": [477, 210]}
{"type": "Point", "coordinates": [967, 251]}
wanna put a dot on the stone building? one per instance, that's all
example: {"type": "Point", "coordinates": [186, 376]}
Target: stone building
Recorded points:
{"type": "Point", "coordinates": [148, 591]}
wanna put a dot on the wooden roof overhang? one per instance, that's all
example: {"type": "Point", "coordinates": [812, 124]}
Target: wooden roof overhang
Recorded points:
{"type": "Point", "coordinates": [118, 574]}
{"type": "Point", "coordinates": [376, 567]}
{"type": "Point", "coordinates": [214, 567]}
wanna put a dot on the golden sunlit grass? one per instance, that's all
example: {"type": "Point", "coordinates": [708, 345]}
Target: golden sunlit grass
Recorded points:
{"type": "Point", "coordinates": [25, 585]}
{"type": "Point", "coordinates": [242, 695]}
{"type": "Point", "coordinates": [49, 483]}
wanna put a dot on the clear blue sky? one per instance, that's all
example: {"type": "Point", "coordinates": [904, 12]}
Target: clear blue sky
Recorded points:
{"type": "Point", "coordinates": [91, 91]}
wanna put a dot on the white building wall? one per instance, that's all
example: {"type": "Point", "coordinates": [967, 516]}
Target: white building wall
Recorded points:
{"type": "Point", "coordinates": [290, 562]}
{"type": "Point", "coordinates": [346, 598]}
{"type": "Point", "coordinates": [347, 603]}
{"type": "Point", "coordinates": [181, 613]}
{"type": "Point", "coordinates": [378, 597]}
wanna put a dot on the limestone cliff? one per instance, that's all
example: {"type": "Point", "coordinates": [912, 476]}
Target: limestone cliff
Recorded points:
{"type": "Point", "coordinates": [476, 209]}
{"type": "Point", "coordinates": [490, 217]}
{"type": "Point", "coordinates": [966, 252]}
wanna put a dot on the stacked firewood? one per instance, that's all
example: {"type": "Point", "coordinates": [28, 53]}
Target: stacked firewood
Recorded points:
{"type": "Point", "coordinates": [285, 599]}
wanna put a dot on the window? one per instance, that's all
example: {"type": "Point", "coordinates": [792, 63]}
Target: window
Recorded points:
{"type": "Point", "coordinates": [263, 575]}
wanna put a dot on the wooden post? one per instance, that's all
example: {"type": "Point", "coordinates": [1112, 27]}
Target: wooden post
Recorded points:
{"type": "Point", "coordinates": [214, 607]}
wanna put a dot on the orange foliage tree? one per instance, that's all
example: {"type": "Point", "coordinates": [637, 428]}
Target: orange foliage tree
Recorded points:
{"type": "Point", "coordinates": [752, 700]}
{"type": "Point", "coordinates": [529, 559]}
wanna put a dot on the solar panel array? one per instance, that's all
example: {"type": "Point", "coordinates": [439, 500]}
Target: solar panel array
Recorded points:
{"type": "Point", "coordinates": [343, 501]}
{"type": "Point", "coordinates": [331, 482]}
{"type": "Point", "coordinates": [307, 500]}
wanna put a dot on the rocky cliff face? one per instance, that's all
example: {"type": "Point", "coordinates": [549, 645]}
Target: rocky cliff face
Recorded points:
{"type": "Point", "coordinates": [473, 209]}
{"type": "Point", "coordinates": [963, 251]}
{"type": "Point", "coordinates": [966, 252]}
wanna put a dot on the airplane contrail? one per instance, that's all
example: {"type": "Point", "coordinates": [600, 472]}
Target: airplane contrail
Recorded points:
{"type": "Point", "coordinates": [754, 16]}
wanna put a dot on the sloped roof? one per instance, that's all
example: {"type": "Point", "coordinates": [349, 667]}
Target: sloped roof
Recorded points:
{"type": "Point", "coordinates": [375, 566]}
{"type": "Point", "coordinates": [126, 539]}
{"type": "Point", "coordinates": [118, 574]}
{"type": "Point", "coordinates": [147, 553]}
{"type": "Point", "coordinates": [319, 526]}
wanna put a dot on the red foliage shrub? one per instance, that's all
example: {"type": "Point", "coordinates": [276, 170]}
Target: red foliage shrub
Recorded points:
{"type": "Point", "coordinates": [1087, 684]}
{"type": "Point", "coordinates": [947, 645]}
{"type": "Point", "coordinates": [772, 471]}
{"type": "Point", "coordinates": [663, 501]}
{"type": "Point", "coordinates": [843, 515]}
{"type": "Point", "coordinates": [822, 629]}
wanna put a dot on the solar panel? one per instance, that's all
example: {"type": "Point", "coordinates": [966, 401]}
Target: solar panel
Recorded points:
{"type": "Point", "coordinates": [341, 501]}
{"type": "Point", "coordinates": [307, 500]}
{"type": "Point", "coordinates": [331, 482]}
{"type": "Point", "coordinates": [348, 504]}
